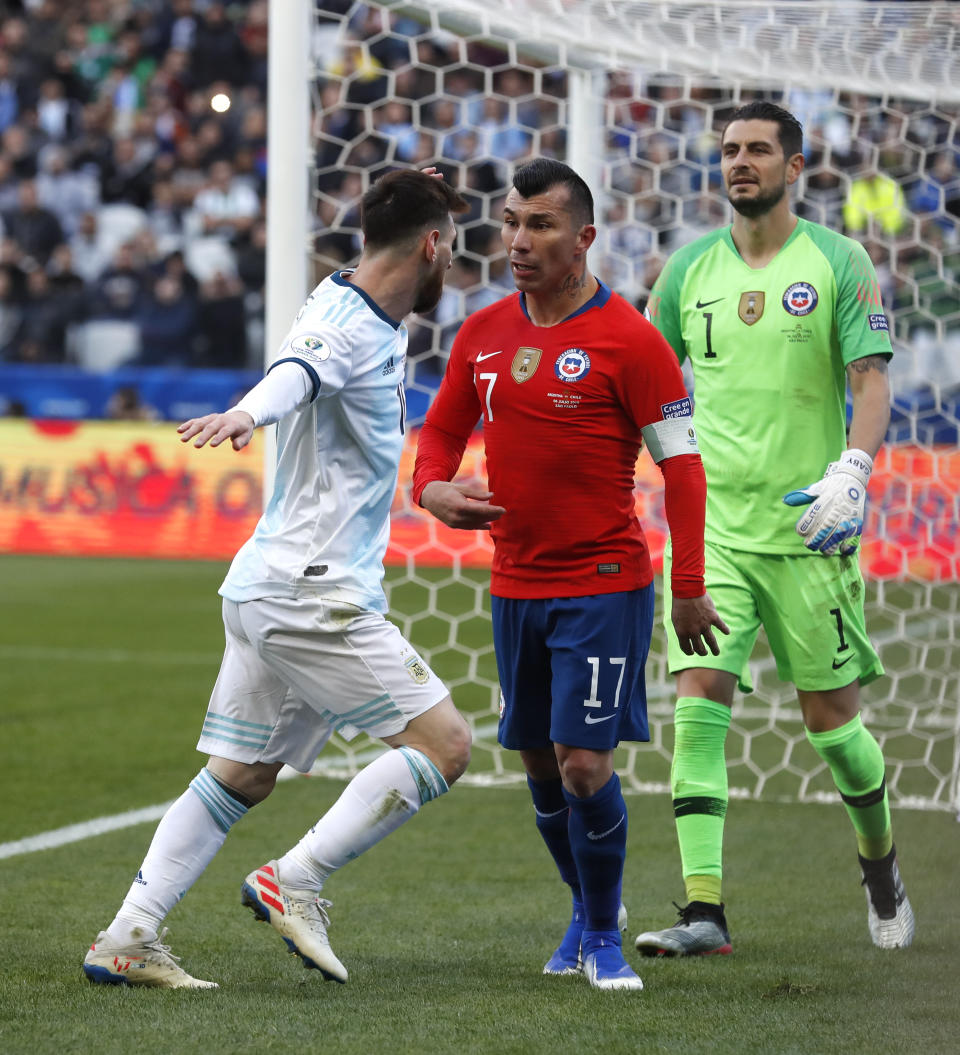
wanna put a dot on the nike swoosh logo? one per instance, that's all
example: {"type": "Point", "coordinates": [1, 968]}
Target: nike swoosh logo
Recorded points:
{"type": "Point", "coordinates": [837, 666]}
{"type": "Point", "coordinates": [707, 303]}
{"type": "Point", "coordinates": [603, 835]}
{"type": "Point", "coordinates": [591, 720]}
{"type": "Point", "coordinates": [489, 355]}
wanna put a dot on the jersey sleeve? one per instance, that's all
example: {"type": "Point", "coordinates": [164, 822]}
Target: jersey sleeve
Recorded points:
{"type": "Point", "coordinates": [656, 397]}
{"type": "Point", "coordinates": [685, 503]}
{"type": "Point", "coordinates": [324, 351]}
{"type": "Point", "coordinates": [650, 383]}
{"type": "Point", "coordinates": [451, 419]}
{"type": "Point", "coordinates": [663, 307]}
{"type": "Point", "coordinates": [862, 325]}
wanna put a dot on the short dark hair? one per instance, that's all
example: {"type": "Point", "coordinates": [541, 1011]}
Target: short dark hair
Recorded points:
{"type": "Point", "coordinates": [789, 128]}
{"type": "Point", "coordinates": [402, 203]}
{"type": "Point", "coordinates": [541, 174]}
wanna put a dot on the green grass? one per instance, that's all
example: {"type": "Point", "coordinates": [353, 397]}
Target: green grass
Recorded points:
{"type": "Point", "coordinates": [105, 668]}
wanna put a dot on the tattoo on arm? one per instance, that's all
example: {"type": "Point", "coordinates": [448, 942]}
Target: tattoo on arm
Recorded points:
{"type": "Point", "coordinates": [868, 363]}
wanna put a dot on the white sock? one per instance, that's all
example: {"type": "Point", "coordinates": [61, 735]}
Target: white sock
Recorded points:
{"type": "Point", "coordinates": [186, 840]}
{"type": "Point", "coordinates": [376, 802]}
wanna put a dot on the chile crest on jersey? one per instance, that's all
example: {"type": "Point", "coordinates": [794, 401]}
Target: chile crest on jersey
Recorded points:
{"type": "Point", "coordinates": [800, 298]}
{"type": "Point", "coordinates": [572, 365]}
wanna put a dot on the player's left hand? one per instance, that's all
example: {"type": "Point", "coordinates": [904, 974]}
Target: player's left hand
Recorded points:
{"type": "Point", "coordinates": [234, 425]}
{"type": "Point", "coordinates": [461, 505]}
{"type": "Point", "coordinates": [834, 521]}
{"type": "Point", "coordinates": [693, 620]}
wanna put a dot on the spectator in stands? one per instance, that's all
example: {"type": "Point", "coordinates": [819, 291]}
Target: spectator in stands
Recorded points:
{"type": "Point", "coordinates": [9, 94]}
{"type": "Point", "coordinates": [874, 204]}
{"type": "Point", "coordinates": [167, 317]}
{"type": "Point", "coordinates": [189, 175]}
{"type": "Point", "coordinates": [43, 334]}
{"type": "Point", "coordinates": [9, 185]}
{"type": "Point", "coordinates": [223, 332]}
{"type": "Point", "coordinates": [26, 68]}
{"type": "Point", "coordinates": [57, 115]}
{"type": "Point", "coordinates": [218, 51]}
{"type": "Point", "coordinates": [36, 230]}
{"type": "Point", "coordinates": [118, 292]}
{"type": "Point", "coordinates": [939, 188]}
{"type": "Point", "coordinates": [68, 193]}
{"type": "Point", "coordinates": [126, 404]}
{"type": "Point", "coordinates": [128, 177]}
{"type": "Point", "coordinates": [93, 147]}
{"type": "Point", "coordinates": [226, 206]}
{"type": "Point", "coordinates": [67, 284]}
{"type": "Point", "coordinates": [164, 214]}
{"type": "Point", "coordinates": [20, 147]}
{"type": "Point", "coordinates": [88, 255]}
{"type": "Point", "coordinates": [11, 312]}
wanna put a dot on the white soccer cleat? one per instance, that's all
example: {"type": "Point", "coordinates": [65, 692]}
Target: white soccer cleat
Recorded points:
{"type": "Point", "coordinates": [147, 963]}
{"type": "Point", "coordinates": [567, 958]}
{"type": "Point", "coordinates": [298, 916]}
{"type": "Point", "coordinates": [889, 914]}
{"type": "Point", "coordinates": [603, 964]}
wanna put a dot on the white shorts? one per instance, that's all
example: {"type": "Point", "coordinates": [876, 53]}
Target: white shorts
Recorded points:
{"type": "Point", "coordinates": [296, 669]}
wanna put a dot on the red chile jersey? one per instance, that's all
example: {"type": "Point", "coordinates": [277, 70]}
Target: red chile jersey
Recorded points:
{"type": "Point", "coordinates": [562, 410]}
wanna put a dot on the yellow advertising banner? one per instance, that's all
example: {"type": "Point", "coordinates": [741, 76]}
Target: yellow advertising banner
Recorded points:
{"type": "Point", "coordinates": [134, 490]}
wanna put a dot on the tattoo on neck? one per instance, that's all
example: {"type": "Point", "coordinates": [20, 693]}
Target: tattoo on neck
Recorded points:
{"type": "Point", "coordinates": [573, 284]}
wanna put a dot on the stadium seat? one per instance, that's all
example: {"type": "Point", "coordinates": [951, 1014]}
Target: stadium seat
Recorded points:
{"type": "Point", "coordinates": [118, 223]}
{"type": "Point", "coordinates": [105, 344]}
{"type": "Point", "coordinates": [205, 257]}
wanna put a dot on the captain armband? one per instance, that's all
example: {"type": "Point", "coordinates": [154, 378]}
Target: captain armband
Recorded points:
{"type": "Point", "coordinates": [668, 438]}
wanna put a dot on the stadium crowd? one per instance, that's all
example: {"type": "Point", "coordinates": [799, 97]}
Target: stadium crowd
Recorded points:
{"type": "Point", "coordinates": [132, 202]}
{"type": "Point", "coordinates": [131, 205]}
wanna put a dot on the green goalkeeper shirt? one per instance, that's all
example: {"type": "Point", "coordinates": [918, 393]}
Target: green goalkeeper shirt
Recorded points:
{"type": "Point", "coordinates": [768, 348]}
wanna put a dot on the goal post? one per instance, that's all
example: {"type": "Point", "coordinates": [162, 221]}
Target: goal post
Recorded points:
{"type": "Point", "coordinates": [633, 95]}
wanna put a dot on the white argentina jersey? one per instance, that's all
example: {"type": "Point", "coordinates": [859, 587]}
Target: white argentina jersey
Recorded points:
{"type": "Point", "coordinates": [326, 527]}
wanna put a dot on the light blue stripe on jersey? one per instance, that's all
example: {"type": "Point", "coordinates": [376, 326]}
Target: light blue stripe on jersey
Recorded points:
{"type": "Point", "coordinates": [340, 313]}
{"type": "Point", "coordinates": [430, 782]}
{"type": "Point", "coordinates": [235, 730]}
{"type": "Point", "coordinates": [222, 807]}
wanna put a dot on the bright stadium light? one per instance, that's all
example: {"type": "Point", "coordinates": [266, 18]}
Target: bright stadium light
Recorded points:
{"type": "Point", "coordinates": [220, 103]}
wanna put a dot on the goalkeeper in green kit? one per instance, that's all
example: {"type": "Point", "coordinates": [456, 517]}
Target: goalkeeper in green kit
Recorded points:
{"type": "Point", "coordinates": [777, 315]}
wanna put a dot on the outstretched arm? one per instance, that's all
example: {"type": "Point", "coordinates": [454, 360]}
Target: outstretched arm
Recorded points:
{"type": "Point", "coordinates": [286, 386]}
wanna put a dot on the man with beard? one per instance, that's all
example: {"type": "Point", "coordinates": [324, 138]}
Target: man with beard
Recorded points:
{"type": "Point", "coordinates": [308, 650]}
{"type": "Point", "coordinates": [776, 315]}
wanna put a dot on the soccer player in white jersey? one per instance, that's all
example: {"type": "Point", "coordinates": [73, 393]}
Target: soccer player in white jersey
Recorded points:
{"type": "Point", "coordinates": [777, 315]}
{"type": "Point", "coordinates": [308, 650]}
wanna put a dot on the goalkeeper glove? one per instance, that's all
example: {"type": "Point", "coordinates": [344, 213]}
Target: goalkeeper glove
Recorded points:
{"type": "Point", "coordinates": [836, 515]}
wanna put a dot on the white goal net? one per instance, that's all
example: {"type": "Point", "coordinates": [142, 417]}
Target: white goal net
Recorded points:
{"type": "Point", "coordinates": [633, 95]}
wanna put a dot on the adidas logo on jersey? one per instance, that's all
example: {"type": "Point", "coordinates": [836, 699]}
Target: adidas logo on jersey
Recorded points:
{"type": "Point", "coordinates": [388, 367]}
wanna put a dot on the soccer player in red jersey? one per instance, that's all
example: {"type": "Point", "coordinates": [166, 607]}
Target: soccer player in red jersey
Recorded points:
{"type": "Point", "coordinates": [569, 380]}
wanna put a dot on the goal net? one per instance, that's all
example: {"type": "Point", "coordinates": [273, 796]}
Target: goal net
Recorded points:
{"type": "Point", "coordinates": [633, 95]}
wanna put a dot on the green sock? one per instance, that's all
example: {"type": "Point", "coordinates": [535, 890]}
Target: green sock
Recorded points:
{"type": "Point", "coordinates": [856, 762]}
{"type": "Point", "coordinates": [698, 779]}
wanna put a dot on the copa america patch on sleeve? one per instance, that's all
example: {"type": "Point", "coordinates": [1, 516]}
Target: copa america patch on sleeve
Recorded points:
{"type": "Point", "coordinates": [878, 322]}
{"type": "Point", "coordinates": [679, 408]}
{"type": "Point", "coordinates": [665, 439]}
{"type": "Point", "coordinates": [310, 346]}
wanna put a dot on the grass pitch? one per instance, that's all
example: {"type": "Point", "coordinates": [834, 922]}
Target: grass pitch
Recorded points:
{"type": "Point", "coordinates": [105, 668]}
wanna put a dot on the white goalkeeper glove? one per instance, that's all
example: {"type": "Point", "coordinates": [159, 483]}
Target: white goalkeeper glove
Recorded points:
{"type": "Point", "coordinates": [835, 519]}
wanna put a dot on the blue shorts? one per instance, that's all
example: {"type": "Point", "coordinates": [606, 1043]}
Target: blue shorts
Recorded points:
{"type": "Point", "coordinates": [572, 669]}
